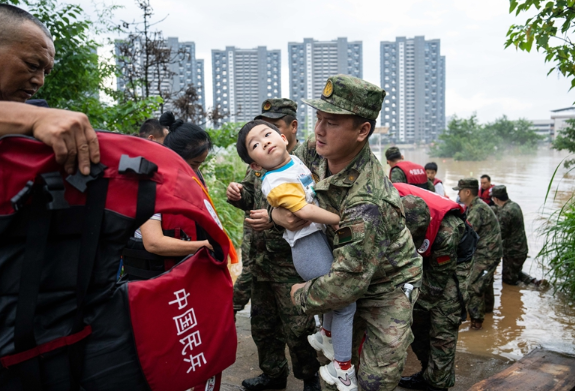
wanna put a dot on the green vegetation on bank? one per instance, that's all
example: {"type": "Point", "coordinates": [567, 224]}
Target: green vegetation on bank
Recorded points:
{"type": "Point", "coordinates": [558, 251]}
{"type": "Point", "coordinates": [467, 139]}
{"type": "Point", "coordinates": [550, 27]}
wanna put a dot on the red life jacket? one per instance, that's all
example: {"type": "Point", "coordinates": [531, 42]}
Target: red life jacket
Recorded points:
{"type": "Point", "coordinates": [61, 237]}
{"type": "Point", "coordinates": [436, 181]}
{"type": "Point", "coordinates": [485, 195]}
{"type": "Point", "coordinates": [414, 173]}
{"type": "Point", "coordinates": [438, 208]}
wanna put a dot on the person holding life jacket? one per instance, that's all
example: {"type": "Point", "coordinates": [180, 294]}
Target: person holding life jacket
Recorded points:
{"type": "Point", "coordinates": [431, 172]}
{"type": "Point", "coordinates": [69, 133]}
{"type": "Point", "coordinates": [485, 190]}
{"type": "Point", "coordinates": [439, 230]}
{"type": "Point", "coordinates": [165, 240]}
{"type": "Point", "coordinates": [406, 172]}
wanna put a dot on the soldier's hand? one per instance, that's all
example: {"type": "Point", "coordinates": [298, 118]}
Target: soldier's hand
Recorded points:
{"type": "Point", "coordinates": [234, 191]}
{"type": "Point", "coordinates": [70, 135]}
{"type": "Point", "coordinates": [294, 288]}
{"type": "Point", "coordinates": [259, 220]}
{"type": "Point", "coordinates": [288, 220]}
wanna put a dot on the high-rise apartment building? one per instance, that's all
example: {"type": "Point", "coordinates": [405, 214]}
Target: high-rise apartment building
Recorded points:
{"type": "Point", "coordinates": [243, 79]}
{"type": "Point", "coordinates": [312, 62]}
{"type": "Point", "coordinates": [413, 75]}
{"type": "Point", "coordinates": [186, 70]}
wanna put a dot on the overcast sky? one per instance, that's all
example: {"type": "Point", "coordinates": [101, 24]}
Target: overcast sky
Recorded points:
{"type": "Point", "coordinates": [481, 76]}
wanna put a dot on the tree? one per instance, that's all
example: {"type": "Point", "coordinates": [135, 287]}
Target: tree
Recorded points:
{"type": "Point", "coordinates": [145, 60]}
{"type": "Point", "coordinates": [549, 29]}
{"type": "Point", "coordinates": [78, 78]}
{"type": "Point", "coordinates": [566, 141]}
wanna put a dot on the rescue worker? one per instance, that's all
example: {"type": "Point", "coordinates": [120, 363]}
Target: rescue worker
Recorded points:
{"type": "Point", "coordinates": [485, 189]}
{"type": "Point", "coordinates": [431, 172]}
{"type": "Point", "coordinates": [488, 253]}
{"type": "Point", "coordinates": [275, 321]}
{"type": "Point", "coordinates": [438, 311]}
{"type": "Point", "coordinates": [24, 37]}
{"type": "Point", "coordinates": [375, 262]}
{"type": "Point", "coordinates": [513, 238]}
{"type": "Point", "coordinates": [406, 172]}
{"type": "Point", "coordinates": [164, 240]}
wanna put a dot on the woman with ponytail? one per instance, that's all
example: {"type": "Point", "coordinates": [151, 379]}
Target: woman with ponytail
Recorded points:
{"type": "Point", "coordinates": [170, 238]}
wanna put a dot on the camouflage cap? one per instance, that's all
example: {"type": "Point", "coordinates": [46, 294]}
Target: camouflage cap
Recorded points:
{"type": "Point", "coordinates": [499, 191]}
{"type": "Point", "coordinates": [345, 94]}
{"type": "Point", "coordinates": [392, 153]}
{"type": "Point", "coordinates": [467, 183]}
{"type": "Point", "coordinates": [278, 108]}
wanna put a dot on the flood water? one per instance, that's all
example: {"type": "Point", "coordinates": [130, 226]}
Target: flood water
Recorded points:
{"type": "Point", "coordinates": [523, 319]}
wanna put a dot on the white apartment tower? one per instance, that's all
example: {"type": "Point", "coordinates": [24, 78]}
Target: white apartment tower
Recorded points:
{"type": "Point", "coordinates": [413, 75]}
{"type": "Point", "coordinates": [243, 79]}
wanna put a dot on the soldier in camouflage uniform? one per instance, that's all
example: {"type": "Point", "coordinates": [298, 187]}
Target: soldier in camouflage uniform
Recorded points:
{"type": "Point", "coordinates": [275, 321]}
{"type": "Point", "coordinates": [374, 256]}
{"type": "Point", "coordinates": [488, 253]}
{"type": "Point", "coordinates": [243, 284]}
{"type": "Point", "coordinates": [513, 237]}
{"type": "Point", "coordinates": [393, 155]}
{"type": "Point", "coordinates": [438, 311]}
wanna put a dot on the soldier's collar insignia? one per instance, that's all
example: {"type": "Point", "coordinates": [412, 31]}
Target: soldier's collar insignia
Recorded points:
{"type": "Point", "coordinates": [328, 89]}
{"type": "Point", "coordinates": [267, 106]}
{"type": "Point", "coordinates": [258, 174]}
{"type": "Point", "coordinates": [351, 177]}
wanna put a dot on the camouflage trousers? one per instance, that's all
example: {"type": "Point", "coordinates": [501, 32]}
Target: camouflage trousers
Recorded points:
{"type": "Point", "coordinates": [480, 288]}
{"type": "Point", "coordinates": [512, 273]}
{"type": "Point", "coordinates": [243, 286]}
{"type": "Point", "coordinates": [386, 325]}
{"type": "Point", "coordinates": [436, 331]}
{"type": "Point", "coordinates": [275, 321]}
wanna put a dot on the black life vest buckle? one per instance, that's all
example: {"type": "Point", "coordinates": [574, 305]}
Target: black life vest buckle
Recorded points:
{"type": "Point", "coordinates": [137, 165]}
{"type": "Point", "coordinates": [54, 188]}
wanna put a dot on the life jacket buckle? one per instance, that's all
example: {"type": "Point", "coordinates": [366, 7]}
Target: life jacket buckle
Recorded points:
{"type": "Point", "coordinates": [137, 165]}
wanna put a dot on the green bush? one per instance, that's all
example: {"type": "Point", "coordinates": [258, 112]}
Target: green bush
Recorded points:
{"type": "Point", "coordinates": [222, 167]}
{"type": "Point", "coordinates": [558, 252]}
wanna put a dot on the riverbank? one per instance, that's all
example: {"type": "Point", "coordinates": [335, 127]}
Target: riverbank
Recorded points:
{"type": "Point", "coordinates": [470, 368]}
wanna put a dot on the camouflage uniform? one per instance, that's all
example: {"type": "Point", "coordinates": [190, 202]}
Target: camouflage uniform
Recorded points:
{"type": "Point", "coordinates": [486, 258]}
{"type": "Point", "coordinates": [243, 284]}
{"type": "Point", "coordinates": [275, 321]}
{"type": "Point", "coordinates": [374, 255]}
{"type": "Point", "coordinates": [513, 238]}
{"type": "Point", "coordinates": [398, 176]}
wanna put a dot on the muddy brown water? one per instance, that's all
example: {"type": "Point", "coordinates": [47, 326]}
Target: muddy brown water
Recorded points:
{"type": "Point", "coordinates": [523, 318]}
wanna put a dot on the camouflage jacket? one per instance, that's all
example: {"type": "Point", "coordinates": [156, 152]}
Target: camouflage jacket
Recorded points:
{"type": "Point", "coordinates": [485, 223]}
{"type": "Point", "coordinates": [439, 268]}
{"type": "Point", "coordinates": [512, 230]}
{"type": "Point", "coordinates": [373, 251]}
{"type": "Point", "coordinates": [271, 254]}
{"type": "Point", "coordinates": [398, 176]}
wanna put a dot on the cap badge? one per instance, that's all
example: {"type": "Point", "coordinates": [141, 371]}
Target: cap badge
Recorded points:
{"type": "Point", "coordinates": [328, 89]}
{"type": "Point", "coordinates": [267, 105]}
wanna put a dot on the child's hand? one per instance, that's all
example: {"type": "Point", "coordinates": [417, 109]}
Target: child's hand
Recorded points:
{"type": "Point", "coordinates": [234, 191]}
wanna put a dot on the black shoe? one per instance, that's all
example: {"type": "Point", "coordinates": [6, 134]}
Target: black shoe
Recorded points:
{"type": "Point", "coordinates": [414, 382]}
{"type": "Point", "coordinates": [264, 382]}
{"type": "Point", "coordinates": [431, 388]}
{"type": "Point", "coordinates": [312, 384]}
